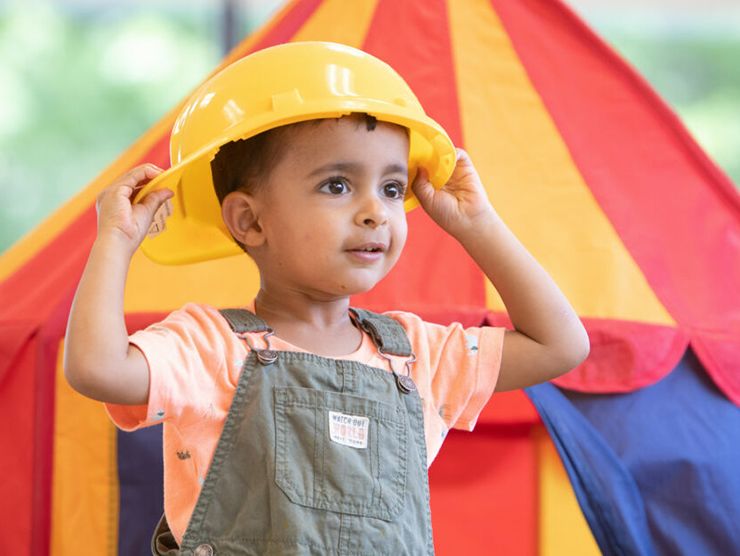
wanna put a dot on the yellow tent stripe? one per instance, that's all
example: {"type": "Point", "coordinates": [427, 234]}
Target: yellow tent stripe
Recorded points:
{"type": "Point", "coordinates": [562, 527]}
{"type": "Point", "coordinates": [84, 512]}
{"type": "Point", "coordinates": [23, 250]}
{"type": "Point", "coordinates": [229, 282]}
{"type": "Point", "coordinates": [339, 21]}
{"type": "Point", "coordinates": [532, 179]}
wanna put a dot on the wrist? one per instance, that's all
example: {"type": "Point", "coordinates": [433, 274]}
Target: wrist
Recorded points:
{"type": "Point", "coordinates": [114, 243]}
{"type": "Point", "coordinates": [477, 227]}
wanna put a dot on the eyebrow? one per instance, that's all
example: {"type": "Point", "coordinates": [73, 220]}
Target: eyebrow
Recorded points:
{"type": "Point", "coordinates": [353, 167]}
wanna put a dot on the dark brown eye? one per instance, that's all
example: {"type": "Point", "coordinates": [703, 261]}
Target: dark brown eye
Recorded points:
{"type": "Point", "coordinates": [394, 190]}
{"type": "Point", "coordinates": [335, 186]}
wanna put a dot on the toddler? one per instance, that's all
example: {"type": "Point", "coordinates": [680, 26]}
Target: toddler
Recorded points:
{"type": "Point", "coordinates": [296, 424]}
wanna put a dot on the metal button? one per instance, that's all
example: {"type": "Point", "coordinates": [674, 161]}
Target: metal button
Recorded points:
{"type": "Point", "coordinates": [267, 356]}
{"type": "Point", "coordinates": [204, 550]}
{"type": "Point", "coordinates": [405, 384]}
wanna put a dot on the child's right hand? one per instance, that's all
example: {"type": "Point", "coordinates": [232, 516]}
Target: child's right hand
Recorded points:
{"type": "Point", "coordinates": [118, 219]}
{"type": "Point", "coordinates": [99, 362]}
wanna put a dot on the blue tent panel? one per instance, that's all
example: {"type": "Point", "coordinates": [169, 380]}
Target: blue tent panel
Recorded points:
{"type": "Point", "coordinates": [657, 469]}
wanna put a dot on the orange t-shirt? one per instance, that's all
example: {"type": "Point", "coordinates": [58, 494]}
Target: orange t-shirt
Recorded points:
{"type": "Point", "coordinates": [194, 364]}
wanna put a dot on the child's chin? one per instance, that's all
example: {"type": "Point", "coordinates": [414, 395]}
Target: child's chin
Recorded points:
{"type": "Point", "coordinates": [356, 283]}
{"type": "Point", "coordinates": [357, 290]}
{"type": "Point", "coordinates": [357, 287]}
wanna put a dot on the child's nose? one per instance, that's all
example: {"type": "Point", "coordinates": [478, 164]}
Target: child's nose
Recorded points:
{"type": "Point", "coordinates": [372, 212]}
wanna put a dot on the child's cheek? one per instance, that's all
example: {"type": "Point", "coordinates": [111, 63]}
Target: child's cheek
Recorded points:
{"type": "Point", "coordinates": [402, 235]}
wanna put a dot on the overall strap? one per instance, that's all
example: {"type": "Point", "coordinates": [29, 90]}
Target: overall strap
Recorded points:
{"type": "Point", "coordinates": [387, 334]}
{"type": "Point", "coordinates": [242, 321]}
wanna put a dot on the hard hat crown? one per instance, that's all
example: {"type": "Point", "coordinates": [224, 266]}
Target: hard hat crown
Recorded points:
{"type": "Point", "coordinates": [277, 86]}
{"type": "Point", "coordinates": [285, 84]}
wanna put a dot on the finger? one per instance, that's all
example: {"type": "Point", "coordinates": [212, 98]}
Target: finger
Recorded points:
{"type": "Point", "coordinates": [144, 211]}
{"type": "Point", "coordinates": [114, 192]}
{"type": "Point", "coordinates": [463, 160]}
{"type": "Point", "coordinates": [140, 175]}
{"type": "Point", "coordinates": [152, 201]}
{"type": "Point", "coordinates": [421, 176]}
{"type": "Point", "coordinates": [149, 174]}
{"type": "Point", "coordinates": [422, 187]}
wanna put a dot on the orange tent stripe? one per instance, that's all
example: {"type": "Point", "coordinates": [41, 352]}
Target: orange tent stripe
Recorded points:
{"type": "Point", "coordinates": [85, 485]}
{"type": "Point", "coordinates": [338, 21]}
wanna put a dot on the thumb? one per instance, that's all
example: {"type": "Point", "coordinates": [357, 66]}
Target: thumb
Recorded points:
{"type": "Point", "coordinates": [150, 203]}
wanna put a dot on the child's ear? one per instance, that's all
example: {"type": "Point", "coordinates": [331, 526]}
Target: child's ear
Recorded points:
{"type": "Point", "coordinates": [240, 212]}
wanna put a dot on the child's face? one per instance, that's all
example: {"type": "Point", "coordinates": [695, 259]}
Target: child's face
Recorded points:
{"type": "Point", "coordinates": [331, 213]}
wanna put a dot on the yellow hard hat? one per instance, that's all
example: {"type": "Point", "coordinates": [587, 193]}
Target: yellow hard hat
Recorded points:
{"type": "Point", "coordinates": [276, 86]}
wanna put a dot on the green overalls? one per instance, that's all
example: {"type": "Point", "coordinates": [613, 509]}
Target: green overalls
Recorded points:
{"type": "Point", "coordinates": [317, 456]}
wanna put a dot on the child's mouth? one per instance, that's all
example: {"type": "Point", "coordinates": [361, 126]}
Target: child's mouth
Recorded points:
{"type": "Point", "coordinates": [370, 247]}
{"type": "Point", "coordinates": [369, 252]}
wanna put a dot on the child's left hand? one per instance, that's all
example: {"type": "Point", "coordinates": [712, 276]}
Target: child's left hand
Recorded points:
{"type": "Point", "coordinates": [461, 204]}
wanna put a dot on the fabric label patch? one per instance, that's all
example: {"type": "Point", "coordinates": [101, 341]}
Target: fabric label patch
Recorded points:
{"type": "Point", "coordinates": [349, 430]}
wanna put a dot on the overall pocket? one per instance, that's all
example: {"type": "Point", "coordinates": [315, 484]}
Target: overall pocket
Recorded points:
{"type": "Point", "coordinates": [340, 452]}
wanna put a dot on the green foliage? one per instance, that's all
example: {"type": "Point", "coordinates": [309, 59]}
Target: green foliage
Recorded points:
{"type": "Point", "coordinates": [77, 90]}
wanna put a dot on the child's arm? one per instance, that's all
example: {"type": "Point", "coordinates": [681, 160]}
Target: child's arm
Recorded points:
{"type": "Point", "coordinates": [98, 360]}
{"type": "Point", "coordinates": [549, 338]}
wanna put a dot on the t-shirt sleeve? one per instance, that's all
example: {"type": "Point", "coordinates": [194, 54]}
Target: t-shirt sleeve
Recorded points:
{"type": "Point", "coordinates": [460, 366]}
{"type": "Point", "coordinates": [187, 357]}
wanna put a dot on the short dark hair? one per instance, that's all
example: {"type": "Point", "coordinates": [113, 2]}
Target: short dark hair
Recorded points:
{"type": "Point", "coordinates": [245, 163]}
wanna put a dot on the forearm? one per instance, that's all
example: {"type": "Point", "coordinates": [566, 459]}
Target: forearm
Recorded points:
{"type": "Point", "coordinates": [96, 342]}
{"type": "Point", "coordinates": [534, 303]}
{"type": "Point", "coordinates": [98, 361]}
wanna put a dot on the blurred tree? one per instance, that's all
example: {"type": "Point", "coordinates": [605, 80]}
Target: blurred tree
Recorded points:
{"type": "Point", "coordinates": [77, 89]}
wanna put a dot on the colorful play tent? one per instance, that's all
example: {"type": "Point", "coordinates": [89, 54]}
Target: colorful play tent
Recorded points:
{"type": "Point", "coordinates": [633, 451]}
